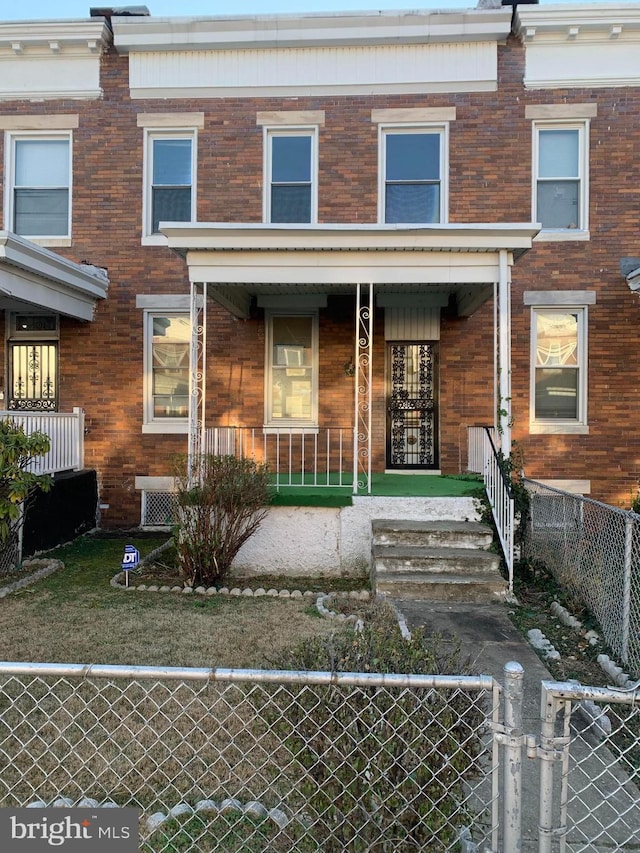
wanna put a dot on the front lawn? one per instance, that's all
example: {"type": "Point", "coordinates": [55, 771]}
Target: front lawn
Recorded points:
{"type": "Point", "coordinates": [75, 616]}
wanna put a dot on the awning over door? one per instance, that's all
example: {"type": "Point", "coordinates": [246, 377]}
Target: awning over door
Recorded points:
{"type": "Point", "coordinates": [33, 278]}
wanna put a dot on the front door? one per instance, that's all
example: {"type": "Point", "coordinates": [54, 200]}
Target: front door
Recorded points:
{"type": "Point", "coordinates": [412, 415]}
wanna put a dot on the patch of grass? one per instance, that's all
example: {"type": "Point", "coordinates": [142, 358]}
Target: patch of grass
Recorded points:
{"type": "Point", "coordinates": [75, 616]}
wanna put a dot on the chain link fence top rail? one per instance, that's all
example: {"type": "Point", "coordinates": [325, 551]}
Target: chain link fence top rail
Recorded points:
{"type": "Point", "coordinates": [591, 739]}
{"type": "Point", "coordinates": [593, 550]}
{"type": "Point", "coordinates": [247, 760]}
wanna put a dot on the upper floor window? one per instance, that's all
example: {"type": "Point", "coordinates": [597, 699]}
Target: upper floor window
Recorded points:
{"type": "Point", "coordinates": [170, 171]}
{"type": "Point", "coordinates": [560, 176]}
{"type": "Point", "coordinates": [412, 175]}
{"type": "Point", "coordinates": [559, 366]}
{"type": "Point", "coordinates": [39, 185]}
{"type": "Point", "coordinates": [291, 176]}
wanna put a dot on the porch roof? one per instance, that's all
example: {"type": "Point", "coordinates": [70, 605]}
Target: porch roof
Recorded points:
{"type": "Point", "coordinates": [35, 278]}
{"type": "Point", "coordinates": [237, 261]}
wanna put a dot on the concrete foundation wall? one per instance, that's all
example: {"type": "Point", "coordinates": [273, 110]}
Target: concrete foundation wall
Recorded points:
{"type": "Point", "coordinates": [334, 542]}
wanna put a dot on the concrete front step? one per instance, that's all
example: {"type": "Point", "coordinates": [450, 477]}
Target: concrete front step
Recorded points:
{"type": "Point", "coordinates": [441, 587]}
{"type": "Point", "coordinates": [460, 561]}
{"type": "Point", "coordinates": [455, 534]}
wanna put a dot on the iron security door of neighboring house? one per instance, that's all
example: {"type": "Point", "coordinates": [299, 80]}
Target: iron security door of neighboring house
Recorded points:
{"type": "Point", "coordinates": [412, 416]}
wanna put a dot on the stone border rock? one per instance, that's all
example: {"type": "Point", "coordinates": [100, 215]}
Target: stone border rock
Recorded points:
{"type": "Point", "coordinates": [252, 809]}
{"type": "Point", "coordinates": [609, 667]}
{"type": "Point", "coordinates": [42, 568]}
{"type": "Point", "coordinates": [247, 592]}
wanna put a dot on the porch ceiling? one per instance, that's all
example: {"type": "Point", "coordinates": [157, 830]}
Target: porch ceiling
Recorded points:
{"type": "Point", "coordinates": [238, 261]}
{"type": "Point", "coordinates": [34, 278]}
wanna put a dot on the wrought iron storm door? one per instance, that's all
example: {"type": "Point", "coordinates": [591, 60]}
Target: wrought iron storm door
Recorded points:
{"type": "Point", "coordinates": [412, 417]}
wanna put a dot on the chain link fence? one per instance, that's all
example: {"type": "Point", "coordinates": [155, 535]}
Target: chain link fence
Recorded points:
{"type": "Point", "coordinates": [243, 760]}
{"type": "Point", "coordinates": [593, 550]}
{"type": "Point", "coordinates": [590, 748]}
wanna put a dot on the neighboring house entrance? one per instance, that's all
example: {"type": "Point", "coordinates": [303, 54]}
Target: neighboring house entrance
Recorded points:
{"type": "Point", "coordinates": [33, 364]}
{"type": "Point", "coordinates": [412, 415]}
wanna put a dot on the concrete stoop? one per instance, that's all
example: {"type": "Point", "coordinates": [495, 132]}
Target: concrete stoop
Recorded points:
{"type": "Point", "coordinates": [435, 561]}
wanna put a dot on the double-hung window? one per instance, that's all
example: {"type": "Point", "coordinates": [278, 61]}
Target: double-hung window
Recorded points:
{"type": "Point", "coordinates": [39, 193]}
{"type": "Point", "coordinates": [560, 176]}
{"type": "Point", "coordinates": [291, 175]}
{"type": "Point", "coordinates": [413, 161]}
{"type": "Point", "coordinates": [559, 369]}
{"type": "Point", "coordinates": [170, 170]}
{"type": "Point", "coordinates": [291, 369]}
{"type": "Point", "coordinates": [166, 386]}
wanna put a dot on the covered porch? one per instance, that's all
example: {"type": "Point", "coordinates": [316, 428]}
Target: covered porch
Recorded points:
{"type": "Point", "coordinates": [37, 288]}
{"type": "Point", "coordinates": [409, 276]}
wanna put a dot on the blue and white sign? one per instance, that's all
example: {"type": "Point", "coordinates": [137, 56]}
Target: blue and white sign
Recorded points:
{"type": "Point", "coordinates": [131, 558]}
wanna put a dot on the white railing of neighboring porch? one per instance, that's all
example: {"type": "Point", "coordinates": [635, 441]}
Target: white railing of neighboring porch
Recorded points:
{"type": "Point", "coordinates": [296, 456]}
{"type": "Point", "coordinates": [483, 458]}
{"type": "Point", "coordinates": [66, 432]}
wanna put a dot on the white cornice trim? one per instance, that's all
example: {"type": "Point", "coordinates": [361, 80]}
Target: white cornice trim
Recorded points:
{"type": "Point", "coordinates": [610, 20]}
{"type": "Point", "coordinates": [319, 30]}
{"type": "Point", "coordinates": [91, 36]}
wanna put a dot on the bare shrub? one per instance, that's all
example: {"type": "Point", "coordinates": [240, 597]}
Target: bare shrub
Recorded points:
{"type": "Point", "coordinates": [221, 502]}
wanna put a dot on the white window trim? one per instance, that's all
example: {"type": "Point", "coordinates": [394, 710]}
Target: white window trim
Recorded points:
{"type": "Point", "coordinates": [10, 139]}
{"type": "Point", "coordinates": [150, 134]}
{"type": "Point", "coordinates": [579, 426]}
{"type": "Point", "coordinates": [442, 128]}
{"type": "Point", "coordinates": [269, 131]}
{"type": "Point", "coordinates": [173, 307]}
{"type": "Point", "coordinates": [563, 234]}
{"type": "Point", "coordinates": [291, 423]}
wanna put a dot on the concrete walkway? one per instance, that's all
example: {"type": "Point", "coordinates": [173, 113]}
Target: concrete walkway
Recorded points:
{"type": "Point", "coordinates": [600, 795]}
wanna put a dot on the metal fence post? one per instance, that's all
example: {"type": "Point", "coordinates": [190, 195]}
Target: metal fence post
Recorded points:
{"type": "Point", "coordinates": [513, 741]}
{"type": "Point", "coordinates": [626, 590]}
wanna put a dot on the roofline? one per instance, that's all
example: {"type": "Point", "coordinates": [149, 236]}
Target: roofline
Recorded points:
{"type": "Point", "coordinates": [229, 32]}
{"type": "Point", "coordinates": [569, 20]}
{"type": "Point", "coordinates": [93, 34]}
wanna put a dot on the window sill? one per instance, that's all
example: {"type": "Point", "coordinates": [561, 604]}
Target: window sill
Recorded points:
{"type": "Point", "coordinates": [154, 240]}
{"type": "Point", "coordinates": [171, 427]}
{"type": "Point", "coordinates": [558, 429]}
{"type": "Point", "coordinates": [566, 236]}
{"type": "Point", "coordinates": [51, 242]}
{"type": "Point", "coordinates": [290, 429]}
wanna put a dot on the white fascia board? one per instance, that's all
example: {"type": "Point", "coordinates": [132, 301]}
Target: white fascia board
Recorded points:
{"type": "Point", "coordinates": [260, 237]}
{"type": "Point", "coordinates": [81, 283]}
{"type": "Point", "coordinates": [91, 35]}
{"type": "Point", "coordinates": [255, 31]}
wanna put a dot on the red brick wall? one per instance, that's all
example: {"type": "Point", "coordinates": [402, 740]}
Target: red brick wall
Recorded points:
{"type": "Point", "coordinates": [490, 181]}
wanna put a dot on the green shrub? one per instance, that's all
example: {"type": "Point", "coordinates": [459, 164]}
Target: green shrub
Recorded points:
{"type": "Point", "coordinates": [381, 768]}
{"type": "Point", "coordinates": [221, 502]}
{"type": "Point", "coordinates": [17, 483]}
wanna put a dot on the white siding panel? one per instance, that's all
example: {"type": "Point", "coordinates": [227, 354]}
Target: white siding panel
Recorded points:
{"type": "Point", "coordinates": [420, 67]}
{"type": "Point", "coordinates": [49, 76]}
{"type": "Point", "coordinates": [412, 324]}
{"type": "Point", "coordinates": [572, 65]}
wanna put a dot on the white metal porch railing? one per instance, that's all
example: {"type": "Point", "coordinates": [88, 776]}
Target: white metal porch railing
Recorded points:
{"type": "Point", "coordinates": [296, 456]}
{"type": "Point", "coordinates": [66, 432]}
{"type": "Point", "coordinates": [483, 459]}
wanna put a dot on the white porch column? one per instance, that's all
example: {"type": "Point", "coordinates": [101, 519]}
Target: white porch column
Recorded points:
{"type": "Point", "coordinates": [197, 372]}
{"type": "Point", "coordinates": [504, 354]}
{"type": "Point", "coordinates": [363, 390]}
